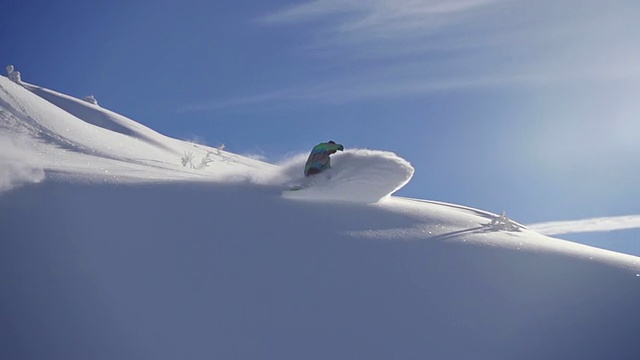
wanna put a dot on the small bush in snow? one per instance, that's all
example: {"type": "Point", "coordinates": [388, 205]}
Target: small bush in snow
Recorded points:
{"type": "Point", "coordinates": [188, 157]}
{"type": "Point", "coordinates": [502, 222]}
{"type": "Point", "coordinates": [220, 153]}
{"type": "Point", "coordinates": [13, 74]}
{"type": "Point", "coordinates": [91, 100]}
{"type": "Point", "coordinates": [205, 161]}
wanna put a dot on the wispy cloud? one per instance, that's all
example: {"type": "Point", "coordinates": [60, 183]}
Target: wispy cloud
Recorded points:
{"type": "Point", "coordinates": [394, 27]}
{"type": "Point", "coordinates": [351, 90]}
{"type": "Point", "coordinates": [310, 10]}
{"type": "Point", "coordinates": [376, 15]}
{"type": "Point", "coordinates": [357, 49]}
{"type": "Point", "coordinates": [587, 225]}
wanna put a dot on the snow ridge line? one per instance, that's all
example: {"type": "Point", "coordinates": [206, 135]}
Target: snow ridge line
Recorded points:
{"type": "Point", "coordinates": [482, 213]}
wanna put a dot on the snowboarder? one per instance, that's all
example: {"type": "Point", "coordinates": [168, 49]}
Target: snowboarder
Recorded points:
{"type": "Point", "coordinates": [319, 160]}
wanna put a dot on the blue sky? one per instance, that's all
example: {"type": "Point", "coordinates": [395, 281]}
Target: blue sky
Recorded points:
{"type": "Point", "coordinates": [525, 106]}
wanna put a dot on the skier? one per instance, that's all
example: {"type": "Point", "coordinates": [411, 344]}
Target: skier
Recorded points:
{"type": "Point", "coordinates": [319, 160]}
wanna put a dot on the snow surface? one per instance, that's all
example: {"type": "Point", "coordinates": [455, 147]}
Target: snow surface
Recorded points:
{"type": "Point", "coordinates": [111, 248]}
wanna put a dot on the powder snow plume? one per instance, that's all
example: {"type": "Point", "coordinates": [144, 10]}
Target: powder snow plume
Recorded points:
{"type": "Point", "coordinates": [16, 165]}
{"type": "Point", "coordinates": [358, 175]}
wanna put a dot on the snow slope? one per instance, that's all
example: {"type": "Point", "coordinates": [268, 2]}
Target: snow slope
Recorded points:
{"type": "Point", "coordinates": [111, 249]}
{"type": "Point", "coordinates": [101, 145]}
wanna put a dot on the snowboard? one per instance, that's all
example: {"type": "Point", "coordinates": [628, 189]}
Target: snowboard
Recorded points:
{"type": "Point", "coordinates": [308, 182]}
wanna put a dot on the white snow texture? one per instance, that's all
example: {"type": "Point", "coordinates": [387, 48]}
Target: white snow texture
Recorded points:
{"type": "Point", "coordinates": [110, 248]}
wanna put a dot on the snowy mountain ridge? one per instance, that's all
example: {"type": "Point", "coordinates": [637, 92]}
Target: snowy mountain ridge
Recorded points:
{"type": "Point", "coordinates": [122, 150]}
{"type": "Point", "coordinates": [111, 141]}
{"type": "Point", "coordinates": [115, 248]}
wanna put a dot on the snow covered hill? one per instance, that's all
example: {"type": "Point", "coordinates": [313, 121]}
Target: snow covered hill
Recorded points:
{"type": "Point", "coordinates": [112, 248]}
{"type": "Point", "coordinates": [100, 145]}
